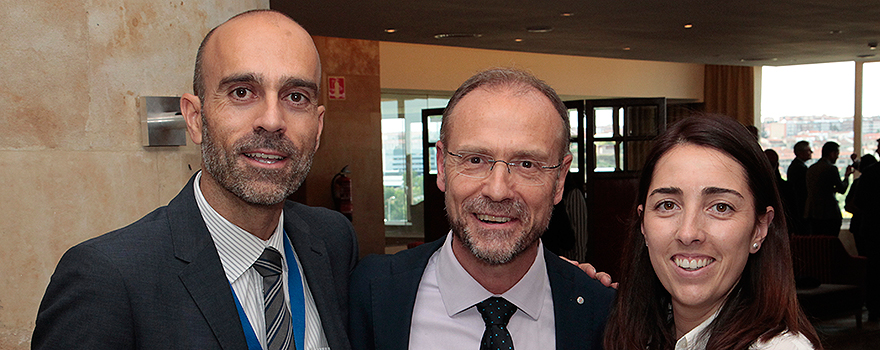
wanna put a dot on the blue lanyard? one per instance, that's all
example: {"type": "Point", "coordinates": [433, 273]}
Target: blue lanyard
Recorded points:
{"type": "Point", "coordinates": [297, 304]}
{"type": "Point", "coordinates": [297, 295]}
{"type": "Point", "coordinates": [249, 335]}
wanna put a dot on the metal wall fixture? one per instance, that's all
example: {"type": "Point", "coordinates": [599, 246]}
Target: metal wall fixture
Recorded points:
{"type": "Point", "coordinates": [162, 124]}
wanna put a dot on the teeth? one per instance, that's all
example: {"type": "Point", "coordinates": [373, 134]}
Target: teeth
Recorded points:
{"type": "Point", "coordinates": [264, 158]}
{"type": "Point", "coordinates": [494, 219]}
{"type": "Point", "coordinates": [693, 264]}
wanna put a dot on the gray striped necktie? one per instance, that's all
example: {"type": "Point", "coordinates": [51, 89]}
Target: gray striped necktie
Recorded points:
{"type": "Point", "coordinates": [279, 334]}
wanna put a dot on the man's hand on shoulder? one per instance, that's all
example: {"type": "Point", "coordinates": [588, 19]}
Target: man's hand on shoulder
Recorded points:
{"type": "Point", "coordinates": [602, 277]}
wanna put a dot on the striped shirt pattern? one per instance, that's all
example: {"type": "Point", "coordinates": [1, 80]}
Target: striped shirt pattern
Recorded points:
{"type": "Point", "coordinates": [238, 251]}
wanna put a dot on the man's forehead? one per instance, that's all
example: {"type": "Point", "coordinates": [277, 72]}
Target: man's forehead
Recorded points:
{"type": "Point", "coordinates": [268, 41]}
{"type": "Point", "coordinates": [261, 18]}
{"type": "Point", "coordinates": [493, 96]}
{"type": "Point", "coordinates": [487, 111]}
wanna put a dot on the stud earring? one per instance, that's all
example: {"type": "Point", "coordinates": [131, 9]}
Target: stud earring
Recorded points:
{"type": "Point", "coordinates": [755, 245]}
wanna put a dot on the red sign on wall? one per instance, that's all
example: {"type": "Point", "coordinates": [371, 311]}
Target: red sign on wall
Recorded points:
{"type": "Point", "coordinates": [336, 88]}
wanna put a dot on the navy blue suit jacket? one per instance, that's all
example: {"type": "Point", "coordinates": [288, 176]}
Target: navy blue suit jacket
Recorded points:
{"type": "Point", "coordinates": [159, 283]}
{"type": "Point", "coordinates": [383, 294]}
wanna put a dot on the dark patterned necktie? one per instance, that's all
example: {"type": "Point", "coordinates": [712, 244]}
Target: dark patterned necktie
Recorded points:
{"type": "Point", "coordinates": [278, 330]}
{"type": "Point", "coordinates": [496, 313]}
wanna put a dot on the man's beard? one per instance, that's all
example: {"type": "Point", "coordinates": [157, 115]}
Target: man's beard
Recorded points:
{"type": "Point", "coordinates": [255, 185]}
{"type": "Point", "coordinates": [496, 246]}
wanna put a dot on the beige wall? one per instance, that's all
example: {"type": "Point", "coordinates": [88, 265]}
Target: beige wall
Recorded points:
{"type": "Point", "coordinates": [442, 68]}
{"type": "Point", "coordinates": [70, 155]}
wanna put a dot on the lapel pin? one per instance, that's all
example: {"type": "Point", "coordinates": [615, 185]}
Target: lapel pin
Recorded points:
{"type": "Point", "coordinates": [580, 300]}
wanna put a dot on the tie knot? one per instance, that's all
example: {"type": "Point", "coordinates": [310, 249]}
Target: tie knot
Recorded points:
{"type": "Point", "coordinates": [496, 311]}
{"type": "Point", "coordinates": [269, 263]}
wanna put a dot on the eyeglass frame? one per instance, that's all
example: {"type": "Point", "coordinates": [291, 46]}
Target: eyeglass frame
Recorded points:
{"type": "Point", "coordinates": [508, 163]}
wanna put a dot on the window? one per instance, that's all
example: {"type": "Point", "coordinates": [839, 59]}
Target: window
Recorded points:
{"type": "Point", "coordinates": [621, 131]}
{"type": "Point", "coordinates": [812, 103]}
{"type": "Point", "coordinates": [573, 116]}
{"type": "Point", "coordinates": [402, 159]}
{"type": "Point", "coordinates": [870, 107]}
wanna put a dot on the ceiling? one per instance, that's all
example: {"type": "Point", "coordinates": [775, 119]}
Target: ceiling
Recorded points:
{"type": "Point", "coordinates": [750, 33]}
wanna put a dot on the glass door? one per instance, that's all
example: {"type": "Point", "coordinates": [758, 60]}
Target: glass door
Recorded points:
{"type": "Point", "coordinates": [621, 132]}
{"type": "Point", "coordinates": [436, 224]}
{"type": "Point", "coordinates": [617, 136]}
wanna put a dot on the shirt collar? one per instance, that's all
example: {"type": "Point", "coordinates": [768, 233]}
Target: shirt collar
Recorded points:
{"type": "Point", "coordinates": [460, 291]}
{"type": "Point", "coordinates": [696, 339]}
{"type": "Point", "coordinates": [238, 249]}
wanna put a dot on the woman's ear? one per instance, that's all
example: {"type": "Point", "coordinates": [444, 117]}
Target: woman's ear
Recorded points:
{"type": "Point", "coordinates": [761, 229]}
{"type": "Point", "coordinates": [641, 210]}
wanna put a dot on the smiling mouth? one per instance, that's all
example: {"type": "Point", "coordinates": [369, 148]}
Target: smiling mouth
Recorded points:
{"type": "Point", "coordinates": [264, 158]}
{"type": "Point", "coordinates": [490, 219]}
{"type": "Point", "coordinates": [692, 264]}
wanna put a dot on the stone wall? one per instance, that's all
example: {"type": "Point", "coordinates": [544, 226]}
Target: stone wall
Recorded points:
{"type": "Point", "coordinates": [71, 160]}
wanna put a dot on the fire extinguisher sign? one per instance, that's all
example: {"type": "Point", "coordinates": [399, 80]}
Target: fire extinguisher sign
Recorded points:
{"type": "Point", "coordinates": [336, 88]}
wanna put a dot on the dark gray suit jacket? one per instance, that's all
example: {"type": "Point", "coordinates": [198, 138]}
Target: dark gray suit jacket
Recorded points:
{"type": "Point", "coordinates": [383, 294]}
{"type": "Point", "coordinates": [797, 182]}
{"type": "Point", "coordinates": [159, 284]}
{"type": "Point", "coordinates": [823, 181]}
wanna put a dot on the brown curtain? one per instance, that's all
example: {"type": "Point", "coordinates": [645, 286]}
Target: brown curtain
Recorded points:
{"type": "Point", "coordinates": [730, 90]}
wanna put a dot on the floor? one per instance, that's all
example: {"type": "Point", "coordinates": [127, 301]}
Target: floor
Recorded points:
{"type": "Point", "coordinates": [842, 334]}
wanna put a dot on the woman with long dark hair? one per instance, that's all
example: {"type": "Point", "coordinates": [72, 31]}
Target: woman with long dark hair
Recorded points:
{"type": "Point", "coordinates": [707, 263]}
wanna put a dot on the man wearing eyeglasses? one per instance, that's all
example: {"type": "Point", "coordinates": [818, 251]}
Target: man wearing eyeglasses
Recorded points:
{"type": "Point", "coordinates": [490, 284]}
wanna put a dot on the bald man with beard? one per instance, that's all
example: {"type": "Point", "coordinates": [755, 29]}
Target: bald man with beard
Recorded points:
{"type": "Point", "coordinates": [188, 275]}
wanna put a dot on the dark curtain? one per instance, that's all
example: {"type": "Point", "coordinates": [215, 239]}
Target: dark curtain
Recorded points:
{"type": "Point", "coordinates": [730, 90]}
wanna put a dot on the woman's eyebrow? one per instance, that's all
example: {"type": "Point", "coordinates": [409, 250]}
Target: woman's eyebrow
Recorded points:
{"type": "Point", "coordinates": [666, 190]}
{"type": "Point", "coordinates": [719, 190]}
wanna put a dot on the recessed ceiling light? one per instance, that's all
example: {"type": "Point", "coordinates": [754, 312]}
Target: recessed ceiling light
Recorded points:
{"type": "Point", "coordinates": [872, 45]}
{"type": "Point", "coordinates": [539, 29]}
{"type": "Point", "coordinates": [567, 14]}
{"type": "Point", "coordinates": [835, 32]}
{"type": "Point", "coordinates": [456, 35]}
{"type": "Point", "coordinates": [390, 30]}
{"type": "Point", "coordinates": [627, 48]}
{"type": "Point", "coordinates": [519, 40]}
{"type": "Point", "coordinates": [688, 26]}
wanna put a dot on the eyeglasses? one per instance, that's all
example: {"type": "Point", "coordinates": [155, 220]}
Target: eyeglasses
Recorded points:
{"type": "Point", "coordinates": [479, 166]}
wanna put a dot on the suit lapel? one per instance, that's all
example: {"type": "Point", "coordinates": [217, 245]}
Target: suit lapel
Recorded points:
{"type": "Point", "coordinates": [395, 296]}
{"type": "Point", "coordinates": [315, 261]}
{"type": "Point", "coordinates": [203, 276]}
{"type": "Point", "coordinates": [570, 304]}
{"type": "Point", "coordinates": [574, 300]}
{"type": "Point", "coordinates": [564, 305]}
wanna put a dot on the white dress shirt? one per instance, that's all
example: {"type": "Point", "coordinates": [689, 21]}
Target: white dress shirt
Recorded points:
{"type": "Point", "coordinates": [238, 251]}
{"type": "Point", "coordinates": [444, 316]}
{"type": "Point", "coordinates": [696, 339]}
